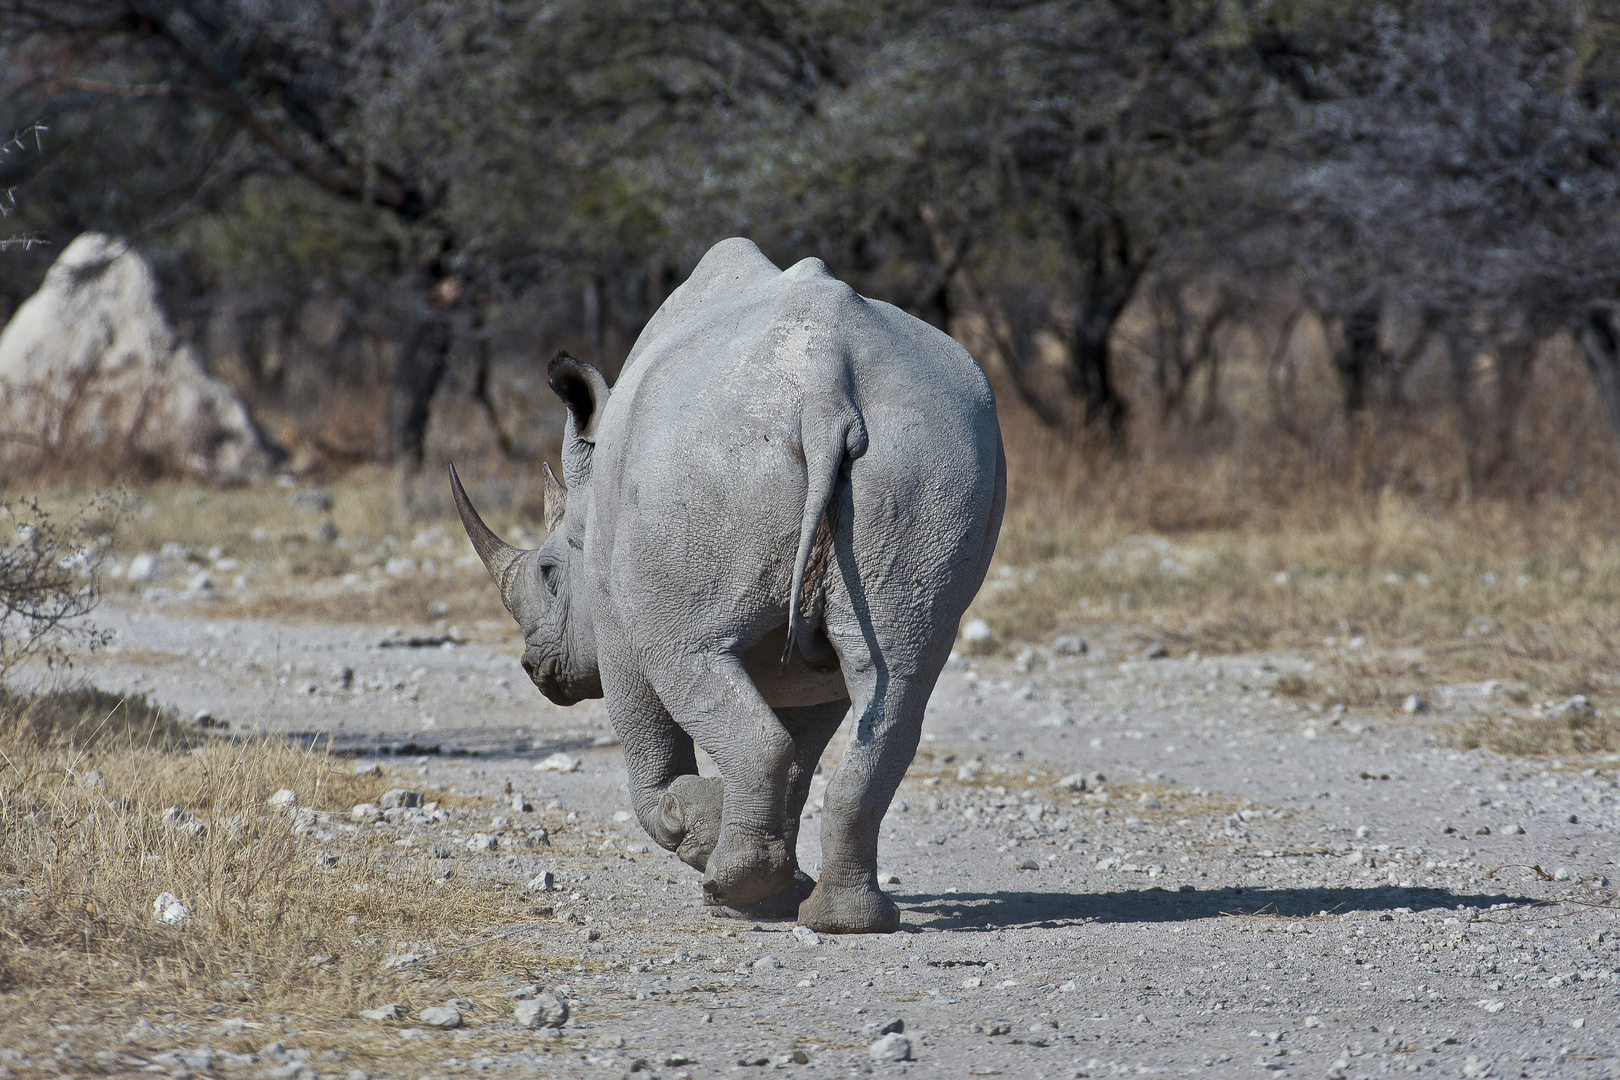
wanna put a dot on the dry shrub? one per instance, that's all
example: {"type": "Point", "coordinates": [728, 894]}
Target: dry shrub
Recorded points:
{"type": "Point", "coordinates": [1536, 736]}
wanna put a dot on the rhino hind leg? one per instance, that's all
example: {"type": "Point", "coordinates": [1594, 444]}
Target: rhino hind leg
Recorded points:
{"type": "Point", "coordinates": [689, 818]}
{"type": "Point", "coordinates": [780, 905]}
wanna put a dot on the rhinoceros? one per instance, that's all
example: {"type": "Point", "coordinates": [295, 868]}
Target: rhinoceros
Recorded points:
{"type": "Point", "coordinates": [775, 518]}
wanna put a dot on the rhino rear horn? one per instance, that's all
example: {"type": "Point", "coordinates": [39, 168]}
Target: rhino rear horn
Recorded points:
{"type": "Point", "coordinates": [556, 497]}
{"type": "Point", "coordinates": [498, 556]}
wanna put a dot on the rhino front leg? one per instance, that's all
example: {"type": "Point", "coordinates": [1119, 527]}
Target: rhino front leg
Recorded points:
{"type": "Point", "coordinates": [679, 809]}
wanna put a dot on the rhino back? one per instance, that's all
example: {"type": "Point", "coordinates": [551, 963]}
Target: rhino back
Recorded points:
{"type": "Point", "coordinates": [699, 480]}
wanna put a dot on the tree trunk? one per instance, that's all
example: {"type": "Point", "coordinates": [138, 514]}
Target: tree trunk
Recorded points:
{"type": "Point", "coordinates": [1600, 341]}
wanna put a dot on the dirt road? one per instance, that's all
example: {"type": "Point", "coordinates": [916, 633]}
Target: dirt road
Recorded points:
{"type": "Point", "coordinates": [1243, 885]}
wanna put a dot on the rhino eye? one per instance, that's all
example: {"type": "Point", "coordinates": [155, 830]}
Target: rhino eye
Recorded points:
{"type": "Point", "coordinates": [548, 576]}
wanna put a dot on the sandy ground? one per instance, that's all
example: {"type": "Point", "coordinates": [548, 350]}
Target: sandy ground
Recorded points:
{"type": "Point", "coordinates": [1244, 885]}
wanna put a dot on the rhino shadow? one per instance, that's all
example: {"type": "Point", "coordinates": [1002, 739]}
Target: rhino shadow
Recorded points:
{"type": "Point", "coordinates": [1017, 908]}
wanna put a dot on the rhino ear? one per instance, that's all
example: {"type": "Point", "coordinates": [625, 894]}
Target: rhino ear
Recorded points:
{"type": "Point", "coordinates": [582, 389]}
{"type": "Point", "coordinates": [556, 498]}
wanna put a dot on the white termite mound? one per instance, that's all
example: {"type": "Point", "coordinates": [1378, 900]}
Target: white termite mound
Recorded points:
{"type": "Point", "coordinates": [91, 372]}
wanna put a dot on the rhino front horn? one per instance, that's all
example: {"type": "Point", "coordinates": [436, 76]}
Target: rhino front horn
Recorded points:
{"type": "Point", "coordinates": [498, 556]}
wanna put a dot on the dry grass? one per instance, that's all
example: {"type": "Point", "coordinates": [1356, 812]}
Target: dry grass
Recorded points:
{"type": "Point", "coordinates": [273, 931]}
{"type": "Point", "coordinates": [1389, 595]}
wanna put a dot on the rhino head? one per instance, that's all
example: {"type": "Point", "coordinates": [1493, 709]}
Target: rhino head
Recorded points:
{"type": "Point", "coordinates": [543, 587]}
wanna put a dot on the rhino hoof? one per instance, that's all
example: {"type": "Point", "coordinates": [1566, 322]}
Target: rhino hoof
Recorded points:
{"type": "Point", "coordinates": [781, 905]}
{"type": "Point", "coordinates": [849, 911]}
{"type": "Point", "coordinates": [689, 818]}
{"type": "Point", "coordinates": [747, 870]}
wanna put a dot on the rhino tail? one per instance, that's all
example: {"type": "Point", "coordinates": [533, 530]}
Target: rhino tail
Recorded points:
{"type": "Point", "coordinates": [823, 460]}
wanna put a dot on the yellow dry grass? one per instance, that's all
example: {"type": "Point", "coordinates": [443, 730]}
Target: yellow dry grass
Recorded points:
{"type": "Point", "coordinates": [282, 922]}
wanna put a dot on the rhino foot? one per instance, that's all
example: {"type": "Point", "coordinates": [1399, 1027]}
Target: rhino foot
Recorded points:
{"type": "Point", "coordinates": [782, 905]}
{"type": "Point", "coordinates": [689, 818]}
{"type": "Point", "coordinates": [744, 869]}
{"type": "Point", "coordinates": [860, 910]}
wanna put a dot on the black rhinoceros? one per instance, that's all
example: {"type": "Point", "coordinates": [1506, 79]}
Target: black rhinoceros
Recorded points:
{"type": "Point", "coordinates": [781, 510]}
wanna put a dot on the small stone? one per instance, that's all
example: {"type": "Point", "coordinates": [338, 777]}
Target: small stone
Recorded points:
{"type": "Point", "coordinates": [1414, 704]}
{"type": "Point", "coordinates": [766, 963]}
{"type": "Point", "coordinates": [892, 1047]}
{"type": "Point", "coordinates": [1513, 830]}
{"type": "Point", "coordinates": [1578, 707]}
{"type": "Point", "coordinates": [200, 1059]}
{"type": "Point", "coordinates": [544, 881]}
{"type": "Point", "coordinates": [1027, 863]}
{"type": "Point", "coordinates": [285, 799]}
{"type": "Point", "coordinates": [1069, 645]}
{"type": "Point", "coordinates": [368, 768]}
{"type": "Point", "coordinates": [883, 1027]}
{"type": "Point", "coordinates": [400, 799]}
{"type": "Point", "coordinates": [326, 859]}
{"type": "Point", "coordinates": [483, 842]}
{"type": "Point", "coordinates": [1491, 1005]}
{"type": "Point", "coordinates": [313, 500]}
{"type": "Point", "coordinates": [325, 532]}
{"type": "Point", "coordinates": [365, 813]}
{"type": "Point", "coordinates": [1483, 830]}
{"type": "Point", "coordinates": [168, 909]}
{"type": "Point", "coordinates": [1073, 782]}
{"type": "Point", "coordinates": [807, 936]}
{"type": "Point", "coordinates": [521, 804]}
{"type": "Point", "coordinates": [538, 838]}
{"type": "Point", "coordinates": [976, 632]}
{"type": "Point", "coordinates": [888, 879]}
{"type": "Point", "coordinates": [541, 1011]}
{"type": "Point", "coordinates": [392, 1011]}
{"type": "Point", "coordinates": [969, 771]}
{"type": "Point", "coordinates": [203, 582]}
{"type": "Point", "coordinates": [142, 568]}
{"type": "Point", "coordinates": [999, 1027]}
{"type": "Point", "coordinates": [558, 763]}
{"type": "Point", "coordinates": [1156, 651]}
{"type": "Point", "coordinates": [440, 1016]}
{"type": "Point", "coordinates": [92, 781]}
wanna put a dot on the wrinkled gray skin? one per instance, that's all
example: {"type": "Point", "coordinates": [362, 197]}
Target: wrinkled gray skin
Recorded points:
{"type": "Point", "coordinates": [769, 427]}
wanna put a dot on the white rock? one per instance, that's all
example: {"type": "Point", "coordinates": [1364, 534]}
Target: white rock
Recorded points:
{"type": "Point", "coordinates": [888, 879]}
{"type": "Point", "coordinates": [1414, 704]}
{"type": "Point", "coordinates": [440, 1016]}
{"type": "Point", "coordinates": [391, 1011]}
{"type": "Point", "coordinates": [90, 366]}
{"type": "Point", "coordinates": [894, 1046]}
{"type": "Point", "coordinates": [521, 804]}
{"type": "Point", "coordinates": [202, 583]}
{"type": "Point", "coordinates": [285, 799]}
{"type": "Point", "coordinates": [1055, 720]}
{"type": "Point", "coordinates": [622, 816]}
{"type": "Point", "coordinates": [400, 799]}
{"type": "Point", "coordinates": [975, 631]}
{"type": "Point", "coordinates": [1578, 707]}
{"type": "Point", "coordinates": [1513, 830]}
{"type": "Point", "coordinates": [542, 1011]}
{"type": "Point", "coordinates": [168, 909]}
{"type": "Point", "coordinates": [558, 762]}
{"type": "Point", "coordinates": [969, 771]}
{"type": "Point", "coordinates": [365, 813]}
{"type": "Point", "coordinates": [1073, 782]}
{"type": "Point", "coordinates": [368, 768]}
{"type": "Point", "coordinates": [766, 963]}
{"type": "Point", "coordinates": [544, 881]}
{"type": "Point", "coordinates": [1069, 645]}
{"type": "Point", "coordinates": [483, 842]}
{"type": "Point", "coordinates": [806, 936]}
{"type": "Point", "coordinates": [92, 781]}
